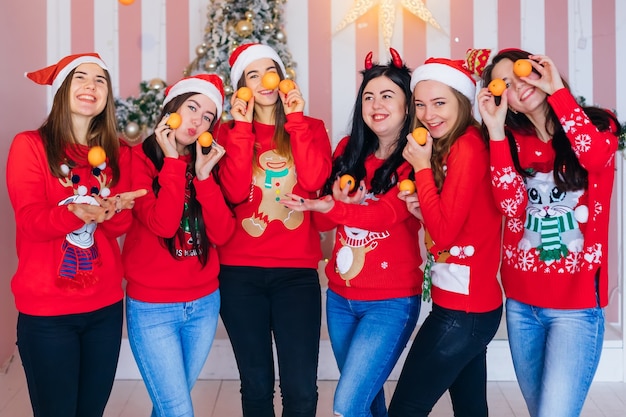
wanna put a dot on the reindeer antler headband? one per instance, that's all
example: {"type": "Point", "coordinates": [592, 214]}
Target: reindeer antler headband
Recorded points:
{"type": "Point", "coordinates": [396, 60]}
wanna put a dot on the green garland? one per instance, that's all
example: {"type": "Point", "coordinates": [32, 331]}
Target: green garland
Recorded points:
{"type": "Point", "coordinates": [142, 110]}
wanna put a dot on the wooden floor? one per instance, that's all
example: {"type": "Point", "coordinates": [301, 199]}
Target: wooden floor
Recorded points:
{"type": "Point", "coordinates": [221, 398]}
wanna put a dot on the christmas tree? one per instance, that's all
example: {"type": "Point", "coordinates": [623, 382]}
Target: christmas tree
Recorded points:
{"type": "Point", "coordinates": [234, 23]}
{"type": "Point", "coordinates": [136, 115]}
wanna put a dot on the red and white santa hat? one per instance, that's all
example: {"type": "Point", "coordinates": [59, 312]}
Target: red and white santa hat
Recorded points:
{"type": "Point", "coordinates": [209, 85]}
{"type": "Point", "coordinates": [447, 71]}
{"type": "Point", "coordinates": [244, 55]}
{"type": "Point", "coordinates": [54, 75]}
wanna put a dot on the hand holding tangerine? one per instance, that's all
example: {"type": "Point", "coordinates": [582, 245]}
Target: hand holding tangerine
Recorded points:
{"type": "Point", "coordinates": [407, 185]}
{"type": "Point", "coordinates": [205, 140]}
{"type": "Point", "coordinates": [347, 179]}
{"type": "Point", "coordinates": [174, 121]}
{"type": "Point", "coordinates": [96, 156]}
{"type": "Point", "coordinates": [497, 87]}
{"type": "Point", "coordinates": [270, 80]}
{"type": "Point", "coordinates": [286, 86]}
{"type": "Point", "coordinates": [522, 68]}
{"type": "Point", "coordinates": [420, 134]}
{"type": "Point", "coordinates": [244, 93]}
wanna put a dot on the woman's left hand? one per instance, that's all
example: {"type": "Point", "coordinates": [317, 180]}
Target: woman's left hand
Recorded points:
{"type": "Point", "coordinates": [550, 80]}
{"type": "Point", "coordinates": [292, 101]}
{"type": "Point", "coordinates": [418, 155]}
{"type": "Point", "coordinates": [206, 163]}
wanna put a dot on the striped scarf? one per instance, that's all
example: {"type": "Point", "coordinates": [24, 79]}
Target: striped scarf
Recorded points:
{"type": "Point", "coordinates": [550, 229]}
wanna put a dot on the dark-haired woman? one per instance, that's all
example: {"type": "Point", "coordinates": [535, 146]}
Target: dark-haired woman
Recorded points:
{"type": "Point", "coordinates": [374, 278]}
{"type": "Point", "coordinates": [552, 170]}
{"type": "Point", "coordinates": [169, 255]}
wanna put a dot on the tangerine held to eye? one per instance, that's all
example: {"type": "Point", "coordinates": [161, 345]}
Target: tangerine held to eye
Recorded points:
{"type": "Point", "coordinates": [270, 80]}
{"type": "Point", "coordinates": [407, 185]}
{"type": "Point", "coordinates": [286, 86]}
{"type": "Point", "coordinates": [497, 87]}
{"type": "Point", "coordinates": [174, 121]}
{"type": "Point", "coordinates": [205, 139]}
{"type": "Point", "coordinates": [96, 156]}
{"type": "Point", "coordinates": [347, 179]}
{"type": "Point", "coordinates": [522, 68]}
{"type": "Point", "coordinates": [419, 134]}
{"type": "Point", "coordinates": [244, 93]}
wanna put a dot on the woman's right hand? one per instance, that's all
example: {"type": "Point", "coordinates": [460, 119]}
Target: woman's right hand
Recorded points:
{"type": "Point", "coordinates": [240, 110]}
{"type": "Point", "coordinates": [166, 138]}
{"type": "Point", "coordinates": [344, 196]}
{"type": "Point", "coordinates": [412, 204]}
{"type": "Point", "coordinates": [493, 116]}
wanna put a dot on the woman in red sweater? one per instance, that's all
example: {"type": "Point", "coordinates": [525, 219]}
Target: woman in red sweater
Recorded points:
{"type": "Point", "coordinates": [268, 279]}
{"type": "Point", "coordinates": [169, 254]}
{"type": "Point", "coordinates": [462, 229]}
{"type": "Point", "coordinates": [68, 182]}
{"type": "Point", "coordinates": [374, 277]}
{"type": "Point", "coordinates": [552, 170]}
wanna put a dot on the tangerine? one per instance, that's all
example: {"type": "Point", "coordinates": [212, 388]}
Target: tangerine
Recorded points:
{"type": "Point", "coordinates": [126, 2]}
{"type": "Point", "coordinates": [286, 86]}
{"type": "Point", "coordinates": [347, 179]}
{"type": "Point", "coordinates": [96, 156]}
{"type": "Point", "coordinates": [244, 93]}
{"type": "Point", "coordinates": [407, 185]}
{"type": "Point", "coordinates": [174, 121]}
{"type": "Point", "coordinates": [270, 80]}
{"type": "Point", "coordinates": [205, 139]}
{"type": "Point", "coordinates": [522, 68]}
{"type": "Point", "coordinates": [497, 87]}
{"type": "Point", "coordinates": [419, 134]}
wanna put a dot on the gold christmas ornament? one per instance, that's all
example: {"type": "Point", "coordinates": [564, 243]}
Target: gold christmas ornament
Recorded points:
{"type": "Point", "coordinates": [132, 130]}
{"type": "Point", "coordinates": [280, 35]}
{"type": "Point", "coordinates": [290, 73]}
{"type": "Point", "coordinates": [244, 28]}
{"type": "Point", "coordinates": [156, 84]}
{"type": "Point", "coordinates": [210, 66]}
{"type": "Point", "coordinates": [268, 27]}
{"type": "Point", "coordinates": [200, 50]}
{"type": "Point", "coordinates": [249, 15]}
{"type": "Point", "coordinates": [228, 90]}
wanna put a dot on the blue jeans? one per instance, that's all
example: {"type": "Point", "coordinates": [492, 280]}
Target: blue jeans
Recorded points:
{"type": "Point", "coordinates": [448, 353]}
{"type": "Point", "coordinates": [285, 302]}
{"type": "Point", "coordinates": [555, 355]}
{"type": "Point", "coordinates": [170, 343]}
{"type": "Point", "coordinates": [367, 338]}
{"type": "Point", "coordinates": [70, 360]}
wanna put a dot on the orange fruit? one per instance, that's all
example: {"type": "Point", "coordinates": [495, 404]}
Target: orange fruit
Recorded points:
{"type": "Point", "coordinates": [347, 179]}
{"type": "Point", "coordinates": [270, 80]}
{"type": "Point", "coordinates": [522, 68]}
{"type": "Point", "coordinates": [205, 139]}
{"type": "Point", "coordinates": [419, 134]}
{"type": "Point", "coordinates": [286, 86]}
{"type": "Point", "coordinates": [407, 185]}
{"type": "Point", "coordinates": [497, 87]}
{"type": "Point", "coordinates": [96, 156]}
{"type": "Point", "coordinates": [126, 2]}
{"type": "Point", "coordinates": [244, 93]}
{"type": "Point", "coordinates": [174, 121]}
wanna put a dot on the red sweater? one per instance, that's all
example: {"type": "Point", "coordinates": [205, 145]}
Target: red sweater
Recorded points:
{"type": "Point", "coordinates": [65, 266]}
{"type": "Point", "coordinates": [376, 254]}
{"type": "Point", "coordinates": [464, 226]}
{"type": "Point", "coordinates": [153, 274]}
{"type": "Point", "coordinates": [551, 260]}
{"type": "Point", "coordinates": [267, 233]}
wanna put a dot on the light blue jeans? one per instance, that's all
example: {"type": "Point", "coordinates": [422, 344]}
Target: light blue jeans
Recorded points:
{"type": "Point", "coordinates": [170, 343]}
{"type": "Point", "coordinates": [555, 355]}
{"type": "Point", "coordinates": [367, 338]}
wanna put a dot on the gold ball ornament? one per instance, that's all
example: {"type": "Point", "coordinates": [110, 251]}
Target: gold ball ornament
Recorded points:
{"type": "Point", "coordinates": [210, 66]}
{"type": "Point", "coordinates": [156, 84]}
{"type": "Point", "coordinates": [228, 90]}
{"type": "Point", "coordinates": [268, 27]}
{"type": "Point", "coordinates": [244, 28]}
{"type": "Point", "coordinates": [249, 15]}
{"type": "Point", "coordinates": [132, 130]}
{"type": "Point", "coordinates": [200, 50]}
{"type": "Point", "coordinates": [280, 35]}
{"type": "Point", "coordinates": [290, 73]}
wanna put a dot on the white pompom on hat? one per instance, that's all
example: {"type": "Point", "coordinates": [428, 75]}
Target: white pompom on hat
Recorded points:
{"type": "Point", "coordinates": [453, 73]}
{"type": "Point", "coordinates": [209, 85]}
{"type": "Point", "coordinates": [54, 75]}
{"type": "Point", "coordinates": [244, 55]}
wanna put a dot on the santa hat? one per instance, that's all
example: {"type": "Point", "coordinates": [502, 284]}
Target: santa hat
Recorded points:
{"type": "Point", "coordinates": [245, 55]}
{"type": "Point", "coordinates": [208, 84]}
{"type": "Point", "coordinates": [54, 75]}
{"type": "Point", "coordinates": [450, 72]}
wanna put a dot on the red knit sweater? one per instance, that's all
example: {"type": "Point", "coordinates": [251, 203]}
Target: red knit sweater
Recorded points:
{"type": "Point", "coordinates": [153, 274]}
{"type": "Point", "coordinates": [551, 261]}
{"type": "Point", "coordinates": [464, 226]}
{"type": "Point", "coordinates": [268, 234]}
{"type": "Point", "coordinates": [65, 266]}
{"type": "Point", "coordinates": [376, 254]}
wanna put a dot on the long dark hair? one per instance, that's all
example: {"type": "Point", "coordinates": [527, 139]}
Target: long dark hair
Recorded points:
{"type": "Point", "coordinates": [57, 134]}
{"type": "Point", "coordinates": [569, 174]}
{"type": "Point", "coordinates": [364, 142]}
{"type": "Point", "coordinates": [193, 214]}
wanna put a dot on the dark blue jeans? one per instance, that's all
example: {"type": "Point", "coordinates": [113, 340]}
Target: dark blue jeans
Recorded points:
{"type": "Point", "coordinates": [448, 353]}
{"type": "Point", "coordinates": [285, 302]}
{"type": "Point", "coordinates": [70, 360]}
